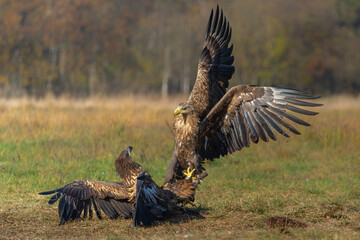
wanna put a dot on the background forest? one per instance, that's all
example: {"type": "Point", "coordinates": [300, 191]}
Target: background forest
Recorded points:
{"type": "Point", "coordinates": [91, 47]}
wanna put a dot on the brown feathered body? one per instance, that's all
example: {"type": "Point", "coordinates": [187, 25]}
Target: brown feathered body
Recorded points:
{"type": "Point", "coordinates": [186, 128]}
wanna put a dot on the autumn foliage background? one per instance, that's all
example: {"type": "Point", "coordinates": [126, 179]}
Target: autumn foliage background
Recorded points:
{"type": "Point", "coordinates": [91, 47]}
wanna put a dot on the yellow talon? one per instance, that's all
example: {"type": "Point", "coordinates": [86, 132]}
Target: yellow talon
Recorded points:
{"type": "Point", "coordinates": [187, 201]}
{"type": "Point", "coordinates": [189, 173]}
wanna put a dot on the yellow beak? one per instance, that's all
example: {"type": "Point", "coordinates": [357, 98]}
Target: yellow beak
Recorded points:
{"type": "Point", "coordinates": [178, 111]}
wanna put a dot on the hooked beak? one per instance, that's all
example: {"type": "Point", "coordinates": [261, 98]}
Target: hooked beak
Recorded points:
{"type": "Point", "coordinates": [129, 149]}
{"type": "Point", "coordinates": [178, 111]}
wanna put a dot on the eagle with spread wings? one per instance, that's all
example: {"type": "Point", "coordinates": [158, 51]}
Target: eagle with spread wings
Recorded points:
{"type": "Point", "coordinates": [214, 123]}
{"type": "Point", "coordinates": [137, 196]}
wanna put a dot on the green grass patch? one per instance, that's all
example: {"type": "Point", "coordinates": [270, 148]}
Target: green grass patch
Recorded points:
{"type": "Point", "coordinates": [304, 178]}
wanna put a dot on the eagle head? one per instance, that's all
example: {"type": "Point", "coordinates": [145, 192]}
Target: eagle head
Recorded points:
{"type": "Point", "coordinates": [123, 158]}
{"type": "Point", "coordinates": [128, 150]}
{"type": "Point", "coordinates": [184, 109]}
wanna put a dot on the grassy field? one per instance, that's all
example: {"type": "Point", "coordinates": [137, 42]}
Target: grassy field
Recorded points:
{"type": "Point", "coordinates": [313, 178]}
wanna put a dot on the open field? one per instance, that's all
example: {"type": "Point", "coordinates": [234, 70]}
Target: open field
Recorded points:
{"type": "Point", "coordinates": [314, 178]}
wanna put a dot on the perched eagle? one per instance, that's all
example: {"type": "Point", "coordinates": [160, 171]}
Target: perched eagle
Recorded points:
{"type": "Point", "coordinates": [137, 196]}
{"type": "Point", "coordinates": [214, 123]}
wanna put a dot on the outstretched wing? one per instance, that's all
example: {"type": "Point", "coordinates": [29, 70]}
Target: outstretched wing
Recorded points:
{"type": "Point", "coordinates": [215, 66]}
{"type": "Point", "coordinates": [152, 202]}
{"type": "Point", "coordinates": [81, 196]}
{"type": "Point", "coordinates": [247, 113]}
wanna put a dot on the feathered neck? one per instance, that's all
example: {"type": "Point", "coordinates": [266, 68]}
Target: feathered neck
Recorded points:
{"type": "Point", "coordinates": [125, 166]}
{"type": "Point", "coordinates": [186, 122]}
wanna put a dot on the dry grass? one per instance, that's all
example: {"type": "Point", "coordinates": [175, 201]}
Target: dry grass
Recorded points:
{"type": "Point", "coordinates": [312, 178]}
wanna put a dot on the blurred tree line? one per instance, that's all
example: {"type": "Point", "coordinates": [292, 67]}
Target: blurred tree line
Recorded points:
{"type": "Point", "coordinates": [87, 47]}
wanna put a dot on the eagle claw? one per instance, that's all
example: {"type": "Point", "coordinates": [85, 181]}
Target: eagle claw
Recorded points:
{"type": "Point", "coordinates": [189, 174]}
{"type": "Point", "coordinates": [187, 201]}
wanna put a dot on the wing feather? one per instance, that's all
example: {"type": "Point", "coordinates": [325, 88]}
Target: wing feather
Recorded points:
{"type": "Point", "coordinates": [78, 197]}
{"type": "Point", "coordinates": [244, 128]}
{"type": "Point", "coordinates": [148, 207]}
{"type": "Point", "coordinates": [277, 109]}
{"type": "Point", "coordinates": [215, 67]}
{"type": "Point", "coordinates": [259, 128]}
{"type": "Point", "coordinates": [263, 124]}
{"type": "Point", "coordinates": [216, 18]}
{"type": "Point", "coordinates": [261, 110]}
{"type": "Point", "coordinates": [96, 208]}
{"type": "Point", "coordinates": [251, 125]}
{"type": "Point", "coordinates": [280, 121]}
{"type": "Point", "coordinates": [208, 27]}
{"type": "Point", "coordinates": [272, 122]}
{"type": "Point", "coordinates": [252, 112]}
{"type": "Point", "coordinates": [86, 208]}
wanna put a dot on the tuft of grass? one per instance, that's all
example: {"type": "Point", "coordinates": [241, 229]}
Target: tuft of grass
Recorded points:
{"type": "Point", "coordinates": [45, 144]}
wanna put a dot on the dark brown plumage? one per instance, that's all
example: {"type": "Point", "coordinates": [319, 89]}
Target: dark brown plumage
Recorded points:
{"type": "Point", "coordinates": [115, 199]}
{"type": "Point", "coordinates": [215, 65]}
{"type": "Point", "coordinates": [247, 113]}
{"type": "Point", "coordinates": [81, 197]}
{"type": "Point", "coordinates": [213, 123]}
{"type": "Point", "coordinates": [154, 203]}
{"type": "Point", "coordinates": [214, 71]}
